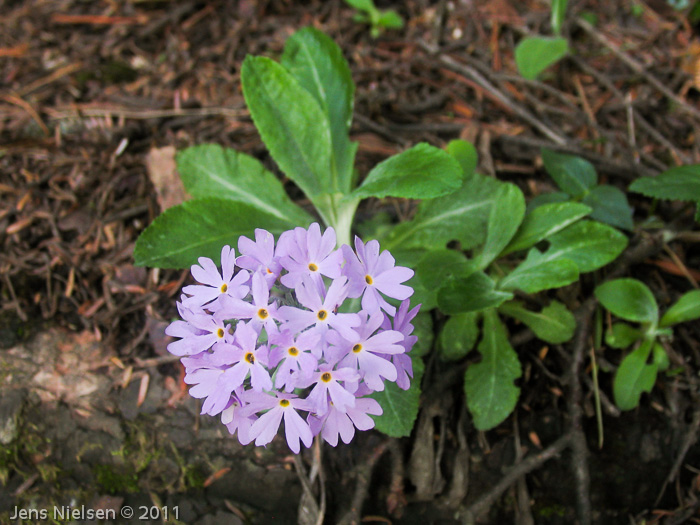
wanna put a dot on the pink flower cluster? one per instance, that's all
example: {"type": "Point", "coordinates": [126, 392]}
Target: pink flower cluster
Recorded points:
{"type": "Point", "coordinates": [273, 335]}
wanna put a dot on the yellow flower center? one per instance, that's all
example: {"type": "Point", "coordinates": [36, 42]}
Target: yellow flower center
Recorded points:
{"type": "Point", "coordinates": [313, 267]}
{"type": "Point", "coordinates": [224, 288]}
{"type": "Point", "coordinates": [250, 357]}
{"type": "Point", "coordinates": [326, 376]}
{"type": "Point", "coordinates": [322, 314]}
{"type": "Point", "coordinates": [262, 313]}
{"type": "Point", "coordinates": [284, 402]}
{"type": "Point", "coordinates": [368, 279]}
{"type": "Point", "coordinates": [268, 270]}
{"type": "Point", "coordinates": [357, 348]}
{"type": "Point", "coordinates": [293, 350]}
{"type": "Point", "coordinates": [220, 333]}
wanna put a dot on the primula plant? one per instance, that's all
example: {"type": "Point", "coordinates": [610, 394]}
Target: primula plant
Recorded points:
{"type": "Point", "coordinates": [307, 324]}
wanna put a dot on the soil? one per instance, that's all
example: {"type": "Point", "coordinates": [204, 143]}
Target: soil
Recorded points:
{"type": "Point", "coordinates": [95, 100]}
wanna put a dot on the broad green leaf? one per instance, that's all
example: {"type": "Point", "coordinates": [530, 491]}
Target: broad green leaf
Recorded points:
{"type": "Point", "coordinates": [590, 244]}
{"type": "Point", "coordinates": [610, 206]}
{"type": "Point", "coordinates": [460, 216]}
{"type": "Point", "coordinates": [634, 376]}
{"type": "Point", "coordinates": [680, 183]}
{"type": "Point", "coordinates": [547, 198]}
{"type": "Point", "coordinates": [470, 294]}
{"type": "Point", "coordinates": [458, 336]}
{"type": "Point", "coordinates": [291, 124]}
{"type": "Point", "coordinates": [685, 309]}
{"type": "Point", "coordinates": [573, 175]}
{"type": "Point", "coordinates": [628, 299]}
{"type": "Point", "coordinates": [544, 221]}
{"type": "Point", "coordinates": [318, 64]}
{"type": "Point", "coordinates": [409, 257]}
{"type": "Point", "coordinates": [554, 324]}
{"type": "Point", "coordinates": [491, 394]}
{"type": "Point", "coordinates": [364, 5]}
{"type": "Point", "coordinates": [466, 155]}
{"type": "Point", "coordinates": [423, 330]}
{"type": "Point", "coordinates": [535, 54]}
{"type": "Point", "coordinates": [390, 19]}
{"type": "Point", "coordinates": [622, 335]}
{"type": "Point", "coordinates": [537, 273]}
{"type": "Point", "coordinates": [422, 172]}
{"type": "Point", "coordinates": [558, 15]}
{"type": "Point", "coordinates": [438, 266]}
{"type": "Point", "coordinates": [200, 228]}
{"type": "Point", "coordinates": [504, 219]}
{"type": "Point", "coordinates": [209, 170]}
{"type": "Point", "coordinates": [400, 406]}
{"type": "Point", "coordinates": [660, 357]}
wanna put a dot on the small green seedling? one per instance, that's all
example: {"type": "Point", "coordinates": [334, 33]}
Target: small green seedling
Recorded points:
{"type": "Point", "coordinates": [631, 300]}
{"type": "Point", "coordinates": [534, 54]}
{"type": "Point", "coordinates": [378, 19]}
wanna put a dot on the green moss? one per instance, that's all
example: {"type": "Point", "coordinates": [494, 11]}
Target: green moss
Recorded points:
{"type": "Point", "coordinates": [115, 480]}
{"type": "Point", "coordinates": [552, 511]}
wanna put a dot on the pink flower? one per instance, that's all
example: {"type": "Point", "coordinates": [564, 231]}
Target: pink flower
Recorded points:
{"type": "Point", "coordinates": [370, 272]}
{"type": "Point", "coordinates": [215, 284]}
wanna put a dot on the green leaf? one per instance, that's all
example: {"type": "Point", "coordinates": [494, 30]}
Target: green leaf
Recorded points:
{"type": "Point", "coordinates": [390, 19]}
{"type": "Point", "coordinates": [460, 216]}
{"type": "Point", "coordinates": [466, 155]}
{"type": "Point", "coordinates": [537, 273]}
{"type": "Point", "coordinates": [610, 206]}
{"type": "Point", "coordinates": [422, 172]}
{"type": "Point", "coordinates": [208, 170]}
{"type": "Point", "coordinates": [685, 309]}
{"type": "Point", "coordinates": [491, 394]}
{"type": "Point", "coordinates": [680, 183]}
{"type": "Point", "coordinates": [409, 257]}
{"type": "Point", "coordinates": [200, 228]}
{"type": "Point", "coordinates": [634, 376]}
{"type": "Point", "coordinates": [544, 221]}
{"type": "Point", "coordinates": [470, 294]}
{"type": "Point", "coordinates": [628, 299]}
{"type": "Point", "coordinates": [400, 406]}
{"type": "Point", "coordinates": [622, 335]}
{"type": "Point", "coordinates": [438, 266]}
{"type": "Point", "coordinates": [291, 124]}
{"type": "Point", "coordinates": [318, 64]}
{"type": "Point", "coordinates": [554, 324]}
{"type": "Point", "coordinates": [590, 244]}
{"type": "Point", "coordinates": [504, 219]}
{"type": "Point", "coordinates": [535, 54]}
{"type": "Point", "coordinates": [364, 5]}
{"type": "Point", "coordinates": [458, 336]}
{"type": "Point", "coordinates": [558, 15]}
{"type": "Point", "coordinates": [572, 174]}
{"type": "Point", "coordinates": [547, 198]}
{"type": "Point", "coordinates": [660, 357]}
{"type": "Point", "coordinates": [423, 330]}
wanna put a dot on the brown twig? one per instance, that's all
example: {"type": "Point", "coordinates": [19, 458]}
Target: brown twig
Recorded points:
{"type": "Point", "coordinates": [478, 78]}
{"type": "Point", "coordinates": [530, 463]}
{"type": "Point", "coordinates": [353, 516]}
{"type": "Point", "coordinates": [637, 67]}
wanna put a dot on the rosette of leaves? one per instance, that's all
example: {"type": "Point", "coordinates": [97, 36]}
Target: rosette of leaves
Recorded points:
{"type": "Point", "coordinates": [511, 248]}
{"type": "Point", "coordinates": [302, 107]}
{"type": "Point", "coordinates": [631, 300]}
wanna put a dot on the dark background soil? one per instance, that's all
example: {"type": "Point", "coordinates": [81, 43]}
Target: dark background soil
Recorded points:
{"type": "Point", "coordinates": [96, 97]}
